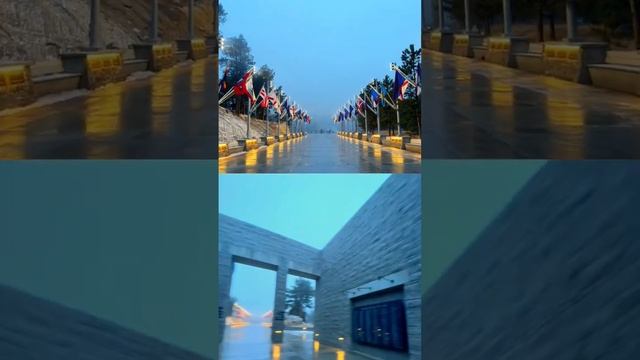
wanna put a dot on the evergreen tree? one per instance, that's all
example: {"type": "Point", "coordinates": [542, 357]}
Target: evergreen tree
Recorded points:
{"type": "Point", "coordinates": [299, 297]}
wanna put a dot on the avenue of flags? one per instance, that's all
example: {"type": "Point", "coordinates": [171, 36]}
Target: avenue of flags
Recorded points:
{"type": "Point", "coordinates": [267, 99]}
{"type": "Point", "coordinates": [372, 98]}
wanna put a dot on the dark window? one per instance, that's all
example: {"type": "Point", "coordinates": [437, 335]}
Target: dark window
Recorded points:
{"type": "Point", "coordinates": [382, 325]}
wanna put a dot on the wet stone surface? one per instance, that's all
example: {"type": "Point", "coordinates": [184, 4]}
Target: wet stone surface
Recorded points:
{"type": "Point", "coordinates": [170, 115]}
{"type": "Point", "coordinates": [323, 153]}
{"type": "Point", "coordinates": [479, 110]}
{"type": "Point", "coordinates": [253, 342]}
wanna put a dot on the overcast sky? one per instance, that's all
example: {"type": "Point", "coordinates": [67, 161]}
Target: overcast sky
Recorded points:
{"type": "Point", "coordinates": [324, 52]}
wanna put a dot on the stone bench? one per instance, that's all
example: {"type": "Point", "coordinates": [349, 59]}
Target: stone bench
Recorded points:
{"type": "Point", "coordinates": [268, 140]}
{"type": "Point", "coordinates": [502, 50]}
{"type": "Point", "coordinates": [223, 150]}
{"type": "Point", "coordinates": [376, 139]}
{"type": "Point", "coordinates": [248, 144]}
{"type": "Point", "coordinates": [98, 68]}
{"type": "Point", "coordinates": [624, 78]}
{"type": "Point", "coordinates": [16, 88]}
{"type": "Point", "coordinates": [398, 142]}
{"type": "Point", "coordinates": [531, 62]}
{"type": "Point", "coordinates": [440, 41]}
{"type": "Point", "coordinates": [49, 77]}
{"type": "Point", "coordinates": [570, 61]}
{"type": "Point", "coordinates": [463, 44]}
{"type": "Point", "coordinates": [415, 146]}
{"type": "Point", "coordinates": [195, 48]}
{"type": "Point", "coordinates": [160, 56]}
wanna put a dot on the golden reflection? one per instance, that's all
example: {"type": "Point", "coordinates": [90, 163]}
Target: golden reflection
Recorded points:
{"type": "Point", "coordinates": [275, 352]}
{"type": "Point", "coordinates": [340, 355]}
{"type": "Point", "coordinates": [251, 160]}
{"type": "Point", "coordinates": [316, 346]}
{"type": "Point", "coordinates": [269, 155]}
{"type": "Point", "coordinates": [197, 84]}
{"type": "Point", "coordinates": [397, 161]}
{"type": "Point", "coordinates": [103, 110]}
{"type": "Point", "coordinates": [222, 166]}
{"type": "Point", "coordinates": [161, 100]}
{"type": "Point", "coordinates": [501, 94]}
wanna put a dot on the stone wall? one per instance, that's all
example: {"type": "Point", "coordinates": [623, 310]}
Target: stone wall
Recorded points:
{"type": "Point", "coordinates": [39, 29]}
{"type": "Point", "coordinates": [382, 238]}
{"type": "Point", "coordinates": [238, 239]}
{"type": "Point", "coordinates": [233, 127]}
{"type": "Point", "coordinates": [555, 276]}
{"type": "Point", "coordinates": [34, 328]}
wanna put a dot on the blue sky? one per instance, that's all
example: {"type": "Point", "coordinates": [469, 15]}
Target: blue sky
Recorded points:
{"type": "Point", "coordinates": [312, 45]}
{"type": "Point", "coordinates": [310, 208]}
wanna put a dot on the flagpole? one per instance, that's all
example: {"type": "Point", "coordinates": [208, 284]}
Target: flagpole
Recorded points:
{"type": "Point", "coordinates": [248, 117]}
{"type": "Point", "coordinates": [366, 127]}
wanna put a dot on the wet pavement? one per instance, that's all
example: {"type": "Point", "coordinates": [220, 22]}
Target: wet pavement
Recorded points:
{"type": "Point", "coordinates": [322, 153]}
{"type": "Point", "coordinates": [170, 115]}
{"type": "Point", "coordinates": [473, 109]}
{"type": "Point", "coordinates": [253, 343]}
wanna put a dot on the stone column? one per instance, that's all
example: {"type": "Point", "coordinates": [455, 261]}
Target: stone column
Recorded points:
{"type": "Point", "coordinates": [153, 28]}
{"type": "Point", "coordinates": [467, 17]}
{"type": "Point", "coordinates": [95, 25]}
{"type": "Point", "coordinates": [191, 19]}
{"type": "Point", "coordinates": [279, 307]}
{"type": "Point", "coordinates": [572, 28]}
{"type": "Point", "coordinates": [225, 268]}
{"type": "Point", "coordinates": [441, 23]}
{"type": "Point", "coordinates": [506, 10]}
{"type": "Point", "coordinates": [427, 14]}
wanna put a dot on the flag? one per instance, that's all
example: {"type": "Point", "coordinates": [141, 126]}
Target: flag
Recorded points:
{"type": "Point", "coordinates": [419, 79]}
{"type": "Point", "coordinates": [285, 106]}
{"type": "Point", "coordinates": [264, 103]}
{"type": "Point", "coordinates": [244, 86]}
{"type": "Point", "coordinates": [350, 110]}
{"type": "Point", "coordinates": [274, 101]}
{"type": "Point", "coordinates": [223, 86]}
{"type": "Point", "coordinates": [374, 97]}
{"type": "Point", "coordinates": [341, 117]}
{"type": "Point", "coordinates": [292, 110]}
{"type": "Point", "coordinates": [400, 86]}
{"type": "Point", "coordinates": [360, 104]}
{"type": "Point", "coordinates": [346, 113]}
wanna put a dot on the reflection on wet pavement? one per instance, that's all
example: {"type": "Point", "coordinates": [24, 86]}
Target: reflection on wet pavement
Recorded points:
{"type": "Point", "coordinates": [253, 343]}
{"type": "Point", "coordinates": [168, 115]}
{"type": "Point", "coordinates": [477, 110]}
{"type": "Point", "coordinates": [322, 153]}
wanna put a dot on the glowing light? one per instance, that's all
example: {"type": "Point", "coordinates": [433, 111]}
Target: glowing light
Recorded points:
{"type": "Point", "coordinates": [278, 331]}
{"type": "Point", "coordinates": [275, 352]}
{"type": "Point", "coordinates": [341, 338]}
{"type": "Point", "coordinates": [340, 355]}
{"type": "Point", "coordinates": [316, 346]}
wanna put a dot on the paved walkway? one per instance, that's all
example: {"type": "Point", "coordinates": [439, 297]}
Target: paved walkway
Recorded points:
{"type": "Point", "coordinates": [323, 153]}
{"type": "Point", "coordinates": [168, 115]}
{"type": "Point", "coordinates": [474, 109]}
{"type": "Point", "coordinates": [253, 343]}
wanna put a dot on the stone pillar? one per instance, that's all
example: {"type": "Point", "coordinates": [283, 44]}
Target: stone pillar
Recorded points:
{"type": "Point", "coordinates": [153, 28]}
{"type": "Point", "coordinates": [279, 307]}
{"type": "Point", "coordinates": [506, 10]}
{"type": "Point", "coordinates": [225, 273]}
{"type": "Point", "coordinates": [427, 14]}
{"type": "Point", "coordinates": [95, 25]}
{"type": "Point", "coordinates": [467, 17]}
{"type": "Point", "coordinates": [190, 21]}
{"type": "Point", "coordinates": [572, 28]}
{"type": "Point", "coordinates": [441, 24]}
